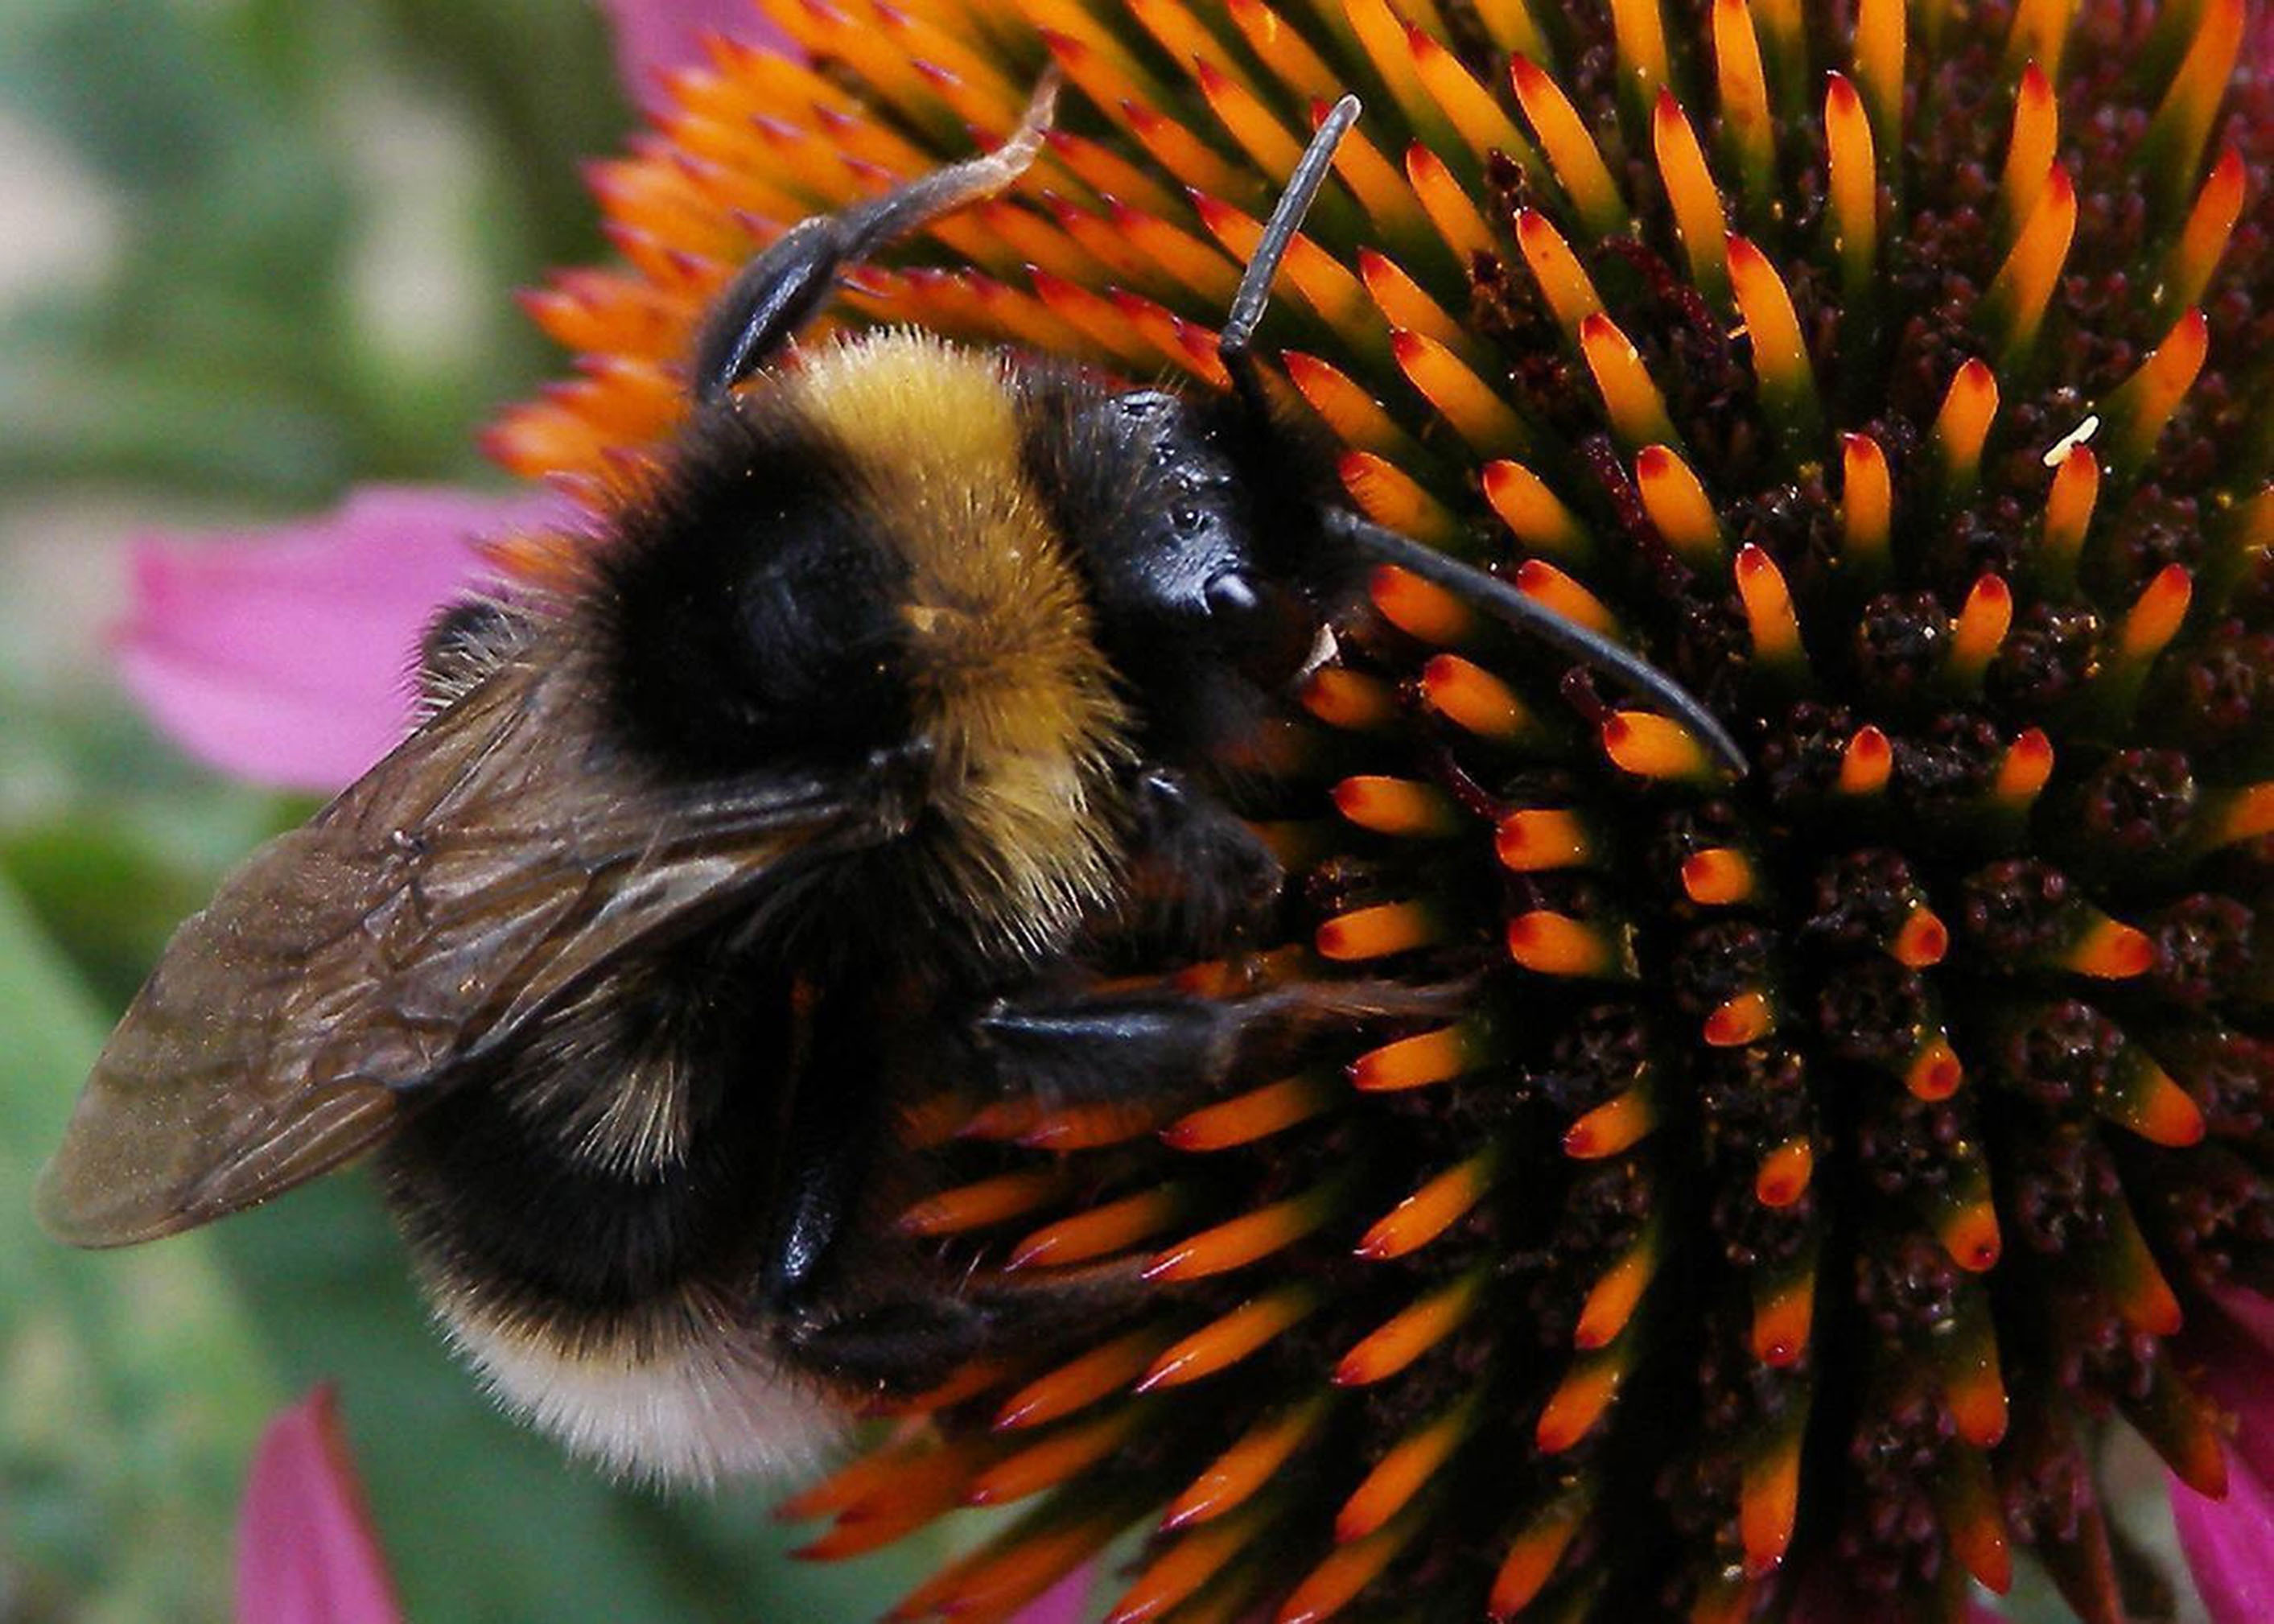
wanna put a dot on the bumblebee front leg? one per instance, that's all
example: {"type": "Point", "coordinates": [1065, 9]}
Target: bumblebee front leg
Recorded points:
{"type": "Point", "coordinates": [1199, 880]}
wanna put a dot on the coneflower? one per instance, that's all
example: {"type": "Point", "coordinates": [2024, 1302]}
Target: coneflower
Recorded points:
{"type": "Point", "coordinates": [1826, 1156]}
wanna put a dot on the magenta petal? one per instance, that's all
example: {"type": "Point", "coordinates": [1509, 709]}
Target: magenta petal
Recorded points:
{"type": "Point", "coordinates": [2229, 1354]}
{"type": "Point", "coordinates": [285, 656]}
{"type": "Point", "coordinates": [305, 1552]}
{"type": "Point", "coordinates": [2229, 1544]}
{"type": "Point", "coordinates": [1066, 1602]}
{"type": "Point", "coordinates": [653, 36]}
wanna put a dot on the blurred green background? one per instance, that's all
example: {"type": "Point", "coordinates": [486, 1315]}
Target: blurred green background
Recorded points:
{"type": "Point", "coordinates": [252, 252]}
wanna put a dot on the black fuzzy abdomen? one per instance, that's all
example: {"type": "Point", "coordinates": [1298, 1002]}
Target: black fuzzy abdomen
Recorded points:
{"type": "Point", "coordinates": [503, 1185]}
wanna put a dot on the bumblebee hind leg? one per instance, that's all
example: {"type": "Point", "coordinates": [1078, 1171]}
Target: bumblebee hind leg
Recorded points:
{"type": "Point", "coordinates": [823, 1159]}
{"type": "Point", "coordinates": [899, 1347]}
{"type": "Point", "coordinates": [906, 1344]}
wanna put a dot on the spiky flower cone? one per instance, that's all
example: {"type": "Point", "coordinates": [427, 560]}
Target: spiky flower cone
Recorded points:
{"type": "Point", "coordinates": [1825, 1154]}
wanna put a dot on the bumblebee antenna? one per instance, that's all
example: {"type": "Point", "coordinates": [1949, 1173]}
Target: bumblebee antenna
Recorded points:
{"type": "Point", "coordinates": [1235, 348]}
{"type": "Point", "coordinates": [1235, 344]}
{"type": "Point", "coordinates": [1501, 600]}
{"type": "Point", "coordinates": [779, 292]}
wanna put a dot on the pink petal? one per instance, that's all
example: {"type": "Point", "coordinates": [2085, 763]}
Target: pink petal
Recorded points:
{"type": "Point", "coordinates": [2230, 1356]}
{"type": "Point", "coordinates": [2229, 1544]}
{"type": "Point", "coordinates": [653, 36]}
{"type": "Point", "coordinates": [285, 656]}
{"type": "Point", "coordinates": [1066, 1602]}
{"type": "Point", "coordinates": [305, 1552]}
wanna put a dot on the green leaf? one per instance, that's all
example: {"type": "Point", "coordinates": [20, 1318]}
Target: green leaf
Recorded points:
{"type": "Point", "coordinates": [133, 1385]}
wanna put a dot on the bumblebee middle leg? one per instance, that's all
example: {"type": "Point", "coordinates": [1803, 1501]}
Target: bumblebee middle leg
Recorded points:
{"type": "Point", "coordinates": [1201, 884]}
{"type": "Point", "coordinates": [1074, 1047]}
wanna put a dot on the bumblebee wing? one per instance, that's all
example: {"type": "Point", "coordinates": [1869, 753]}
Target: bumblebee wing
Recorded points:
{"type": "Point", "coordinates": [445, 900]}
{"type": "Point", "coordinates": [196, 1105]}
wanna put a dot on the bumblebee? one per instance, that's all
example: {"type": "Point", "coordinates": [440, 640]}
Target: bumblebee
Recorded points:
{"type": "Point", "coordinates": [919, 683]}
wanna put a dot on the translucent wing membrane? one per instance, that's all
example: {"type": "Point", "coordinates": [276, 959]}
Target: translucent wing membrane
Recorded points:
{"type": "Point", "coordinates": [443, 905]}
